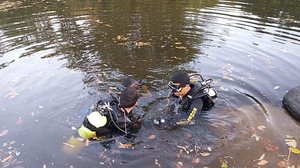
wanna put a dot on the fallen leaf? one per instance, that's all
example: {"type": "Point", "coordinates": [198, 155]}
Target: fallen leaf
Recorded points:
{"type": "Point", "coordinates": [7, 159]}
{"type": "Point", "coordinates": [181, 48]}
{"type": "Point", "coordinates": [151, 137]}
{"type": "Point", "coordinates": [107, 25]}
{"type": "Point", "coordinates": [224, 164]}
{"type": "Point", "coordinates": [121, 145]}
{"type": "Point", "coordinates": [4, 132]}
{"type": "Point", "coordinates": [261, 127]}
{"type": "Point", "coordinates": [262, 162]}
{"type": "Point", "coordinates": [209, 149]}
{"type": "Point", "coordinates": [179, 165]}
{"type": "Point", "coordinates": [276, 87]}
{"type": "Point", "coordinates": [295, 150]}
{"type": "Point", "coordinates": [196, 160]}
{"type": "Point", "coordinates": [12, 94]}
{"type": "Point", "coordinates": [184, 148]}
{"type": "Point", "coordinates": [157, 163]}
{"type": "Point", "coordinates": [73, 128]}
{"type": "Point", "coordinates": [205, 154]}
{"type": "Point", "coordinates": [271, 148]}
{"type": "Point", "coordinates": [282, 163]}
{"type": "Point", "coordinates": [262, 157]}
{"type": "Point", "coordinates": [140, 44]}
{"type": "Point", "coordinates": [291, 143]}
{"type": "Point", "coordinates": [68, 144]}
{"type": "Point", "coordinates": [256, 137]}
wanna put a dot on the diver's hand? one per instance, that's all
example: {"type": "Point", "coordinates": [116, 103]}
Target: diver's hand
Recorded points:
{"type": "Point", "coordinates": [182, 122]}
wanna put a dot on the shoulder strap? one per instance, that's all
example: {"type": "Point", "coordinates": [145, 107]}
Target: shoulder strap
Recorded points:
{"type": "Point", "coordinates": [192, 96]}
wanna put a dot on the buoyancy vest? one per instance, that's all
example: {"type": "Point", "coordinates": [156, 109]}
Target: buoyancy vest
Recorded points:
{"type": "Point", "coordinates": [106, 117]}
{"type": "Point", "coordinates": [196, 93]}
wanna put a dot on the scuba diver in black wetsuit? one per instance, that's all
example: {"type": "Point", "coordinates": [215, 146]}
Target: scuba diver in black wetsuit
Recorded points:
{"type": "Point", "coordinates": [193, 98]}
{"type": "Point", "coordinates": [113, 116]}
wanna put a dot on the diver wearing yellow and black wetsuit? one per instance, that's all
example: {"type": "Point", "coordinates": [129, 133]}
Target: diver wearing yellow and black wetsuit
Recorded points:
{"type": "Point", "coordinates": [112, 116]}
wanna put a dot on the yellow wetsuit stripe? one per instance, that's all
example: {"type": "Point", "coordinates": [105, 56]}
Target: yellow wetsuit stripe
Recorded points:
{"type": "Point", "coordinates": [192, 115]}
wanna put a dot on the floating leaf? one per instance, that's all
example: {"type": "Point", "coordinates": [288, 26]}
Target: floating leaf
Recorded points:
{"type": "Point", "coordinates": [107, 25]}
{"type": "Point", "coordinates": [276, 87]}
{"type": "Point", "coordinates": [121, 145]}
{"type": "Point", "coordinates": [256, 137]}
{"type": "Point", "coordinates": [181, 48]}
{"type": "Point", "coordinates": [41, 107]}
{"type": "Point", "coordinates": [209, 149]}
{"type": "Point", "coordinates": [179, 164]}
{"type": "Point", "coordinates": [157, 163]}
{"type": "Point", "coordinates": [151, 137]}
{"type": "Point", "coordinates": [262, 162]}
{"type": "Point", "coordinates": [140, 44]}
{"type": "Point", "coordinates": [204, 154]}
{"type": "Point", "coordinates": [196, 160]}
{"type": "Point", "coordinates": [4, 132]}
{"type": "Point", "coordinates": [12, 94]}
{"type": "Point", "coordinates": [282, 163]}
{"type": "Point", "coordinates": [73, 128]}
{"type": "Point", "coordinates": [261, 127]}
{"type": "Point", "coordinates": [184, 148]}
{"type": "Point", "coordinates": [291, 143]}
{"type": "Point", "coordinates": [8, 158]}
{"type": "Point", "coordinates": [262, 157]}
{"type": "Point", "coordinates": [224, 164]}
{"type": "Point", "coordinates": [295, 150]}
{"type": "Point", "coordinates": [271, 148]}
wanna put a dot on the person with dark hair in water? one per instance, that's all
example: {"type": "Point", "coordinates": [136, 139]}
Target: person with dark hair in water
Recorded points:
{"type": "Point", "coordinates": [112, 116]}
{"type": "Point", "coordinates": [193, 97]}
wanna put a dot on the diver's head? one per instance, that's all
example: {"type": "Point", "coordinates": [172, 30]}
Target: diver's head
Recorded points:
{"type": "Point", "coordinates": [129, 98]}
{"type": "Point", "coordinates": [128, 82]}
{"type": "Point", "coordinates": [180, 83]}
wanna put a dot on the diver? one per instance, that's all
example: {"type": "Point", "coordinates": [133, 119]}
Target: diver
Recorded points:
{"type": "Point", "coordinates": [114, 116]}
{"type": "Point", "coordinates": [193, 98]}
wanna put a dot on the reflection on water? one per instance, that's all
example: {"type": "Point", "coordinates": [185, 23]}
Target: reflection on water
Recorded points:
{"type": "Point", "coordinates": [57, 58]}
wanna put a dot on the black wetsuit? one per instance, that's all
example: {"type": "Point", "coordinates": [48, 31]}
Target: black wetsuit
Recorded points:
{"type": "Point", "coordinates": [196, 99]}
{"type": "Point", "coordinates": [117, 121]}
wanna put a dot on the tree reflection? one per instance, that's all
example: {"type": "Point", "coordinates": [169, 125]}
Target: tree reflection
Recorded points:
{"type": "Point", "coordinates": [86, 33]}
{"type": "Point", "coordinates": [281, 12]}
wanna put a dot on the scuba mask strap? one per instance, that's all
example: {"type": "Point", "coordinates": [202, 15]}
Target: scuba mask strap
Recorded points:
{"type": "Point", "coordinates": [174, 87]}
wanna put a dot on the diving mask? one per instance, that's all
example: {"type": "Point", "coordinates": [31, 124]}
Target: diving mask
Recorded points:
{"type": "Point", "coordinates": [175, 87]}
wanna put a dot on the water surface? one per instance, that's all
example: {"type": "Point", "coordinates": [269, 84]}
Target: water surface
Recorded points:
{"type": "Point", "coordinates": [57, 58]}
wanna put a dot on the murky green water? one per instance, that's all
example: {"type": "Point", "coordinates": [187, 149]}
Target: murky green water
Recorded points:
{"type": "Point", "coordinates": [57, 58]}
